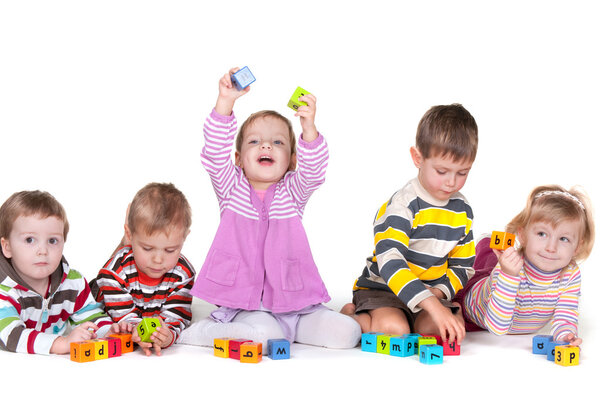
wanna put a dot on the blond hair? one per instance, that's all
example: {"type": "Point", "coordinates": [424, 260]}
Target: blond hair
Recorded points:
{"type": "Point", "coordinates": [553, 204]}
{"type": "Point", "coordinates": [27, 203]}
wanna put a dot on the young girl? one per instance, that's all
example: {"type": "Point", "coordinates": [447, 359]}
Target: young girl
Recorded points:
{"type": "Point", "coordinates": [259, 269]}
{"type": "Point", "coordinates": [540, 281]}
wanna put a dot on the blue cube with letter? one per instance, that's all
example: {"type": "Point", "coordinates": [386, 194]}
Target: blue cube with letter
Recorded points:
{"type": "Point", "coordinates": [279, 349]}
{"type": "Point", "coordinates": [242, 78]}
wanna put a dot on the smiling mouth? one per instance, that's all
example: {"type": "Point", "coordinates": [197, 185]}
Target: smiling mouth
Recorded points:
{"type": "Point", "coordinates": [265, 160]}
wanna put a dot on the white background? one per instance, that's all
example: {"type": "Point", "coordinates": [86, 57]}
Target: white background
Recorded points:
{"type": "Point", "coordinates": [99, 98]}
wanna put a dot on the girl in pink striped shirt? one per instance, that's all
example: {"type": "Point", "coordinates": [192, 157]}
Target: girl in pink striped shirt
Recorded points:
{"type": "Point", "coordinates": [520, 290]}
{"type": "Point", "coordinates": [259, 269]}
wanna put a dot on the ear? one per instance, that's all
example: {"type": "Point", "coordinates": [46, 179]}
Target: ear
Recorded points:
{"type": "Point", "coordinates": [416, 156]}
{"type": "Point", "coordinates": [127, 237]}
{"type": "Point", "coordinates": [293, 161]}
{"type": "Point", "coordinates": [6, 248]}
{"type": "Point", "coordinates": [238, 160]}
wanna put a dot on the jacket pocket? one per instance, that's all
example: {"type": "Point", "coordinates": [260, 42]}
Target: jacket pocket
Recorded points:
{"type": "Point", "coordinates": [222, 268]}
{"type": "Point", "coordinates": [291, 276]}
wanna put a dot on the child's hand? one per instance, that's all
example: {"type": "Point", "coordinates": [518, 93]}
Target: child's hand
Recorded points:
{"type": "Point", "coordinates": [85, 331]}
{"type": "Point", "coordinates": [510, 261]}
{"type": "Point", "coordinates": [571, 339]}
{"type": "Point", "coordinates": [121, 327]}
{"type": "Point", "coordinates": [228, 93]}
{"type": "Point", "coordinates": [307, 117]}
{"type": "Point", "coordinates": [160, 339]}
{"type": "Point", "coordinates": [450, 327]}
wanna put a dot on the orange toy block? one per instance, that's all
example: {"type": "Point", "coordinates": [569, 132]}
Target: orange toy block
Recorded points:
{"type": "Point", "coordinates": [82, 351]}
{"type": "Point", "coordinates": [250, 352]}
{"type": "Point", "coordinates": [502, 240]}
{"type": "Point", "coordinates": [126, 342]}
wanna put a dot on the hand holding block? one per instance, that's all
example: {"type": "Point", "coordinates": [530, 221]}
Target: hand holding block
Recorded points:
{"type": "Point", "coordinates": [540, 344]}
{"type": "Point", "coordinates": [294, 103]}
{"type": "Point", "coordinates": [566, 355]}
{"type": "Point", "coordinates": [279, 349]}
{"type": "Point", "coordinates": [82, 351]}
{"type": "Point", "coordinates": [126, 342]}
{"type": "Point", "coordinates": [431, 354]}
{"type": "Point", "coordinates": [243, 78]}
{"type": "Point", "coordinates": [502, 240]}
{"type": "Point", "coordinates": [147, 327]}
{"type": "Point", "coordinates": [221, 347]}
{"type": "Point", "coordinates": [251, 352]}
{"type": "Point", "coordinates": [369, 341]}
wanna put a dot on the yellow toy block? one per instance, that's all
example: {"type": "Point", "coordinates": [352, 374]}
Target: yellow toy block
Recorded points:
{"type": "Point", "coordinates": [294, 103]}
{"type": "Point", "coordinates": [383, 344]}
{"type": "Point", "coordinates": [502, 240]}
{"type": "Point", "coordinates": [126, 342]}
{"type": "Point", "coordinates": [425, 340]}
{"type": "Point", "coordinates": [100, 348]}
{"type": "Point", "coordinates": [251, 352]}
{"type": "Point", "coordinates": [82, 351]}
{"type": "Point", "coordinates": [221, 347]}
{"type": "Point", "coordinates": [566, 355]}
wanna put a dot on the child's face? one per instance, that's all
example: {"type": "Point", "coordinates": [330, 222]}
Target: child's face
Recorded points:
{"type": "Point", "coordinates": [158, 253]}
{"type": "Point", "coordinates": [35, 246]}
{"type": "Point", "coordinates": [551, 248]}
{"type": "Point", "coordinates": [441, 176]}
{"type": "Point", "coordinates": [265, 155]}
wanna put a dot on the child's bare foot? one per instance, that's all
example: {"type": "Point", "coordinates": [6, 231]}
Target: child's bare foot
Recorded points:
{"type": "Point", "coordinates": [348, 309]}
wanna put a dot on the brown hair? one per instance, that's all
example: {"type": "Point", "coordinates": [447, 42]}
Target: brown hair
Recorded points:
{"type": "Point", "coordinates": [158, 207]}
{"type": "Point", "coordinates": [28, 203]}
{"type": "Point", "coordinates": [264, 114]}
{"type": "Point", "coordinates": [553, 204]}
{"type": "Point", "coordinates": [448, 129]}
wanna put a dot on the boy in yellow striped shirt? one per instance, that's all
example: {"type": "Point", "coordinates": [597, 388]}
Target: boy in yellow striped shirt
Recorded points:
{"type": "Point", "coordinates": [424, 249]}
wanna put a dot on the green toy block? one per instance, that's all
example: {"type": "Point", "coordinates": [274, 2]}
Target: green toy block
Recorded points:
{"type": "Point", "coordinates": [383, 344]}
{"type": "Point", "coordinates": [147, 327]}
{"type": "Point", "coordinates": [294, 103]}
{"type": "Point", "coordinates": [423, 340]}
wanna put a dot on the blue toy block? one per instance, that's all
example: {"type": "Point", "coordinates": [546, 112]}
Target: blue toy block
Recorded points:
{"type": "Point", "coordinates": [403, 346]}
{"type": "Point", "coordinates": [369, 341]}
{"type": "Point", "coordinates": [540, 344]}
{"type": "Point", "coordinates": [431, 354]}
{"type": "Point", "coordinates": [242, 78]}
{"type": "Point", "coordinates": [279, 349]}
{"type": "Point", "coordinates": [551, 346]}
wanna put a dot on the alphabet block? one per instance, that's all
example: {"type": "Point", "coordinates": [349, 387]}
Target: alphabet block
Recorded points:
{"type": "Point", "coordinates": [234, 348]}
{"type": "Point", "coordinates": [114, 347]}
{"type": "Point", "coordinates": [126, 342]}
{"type": "Point", "coordinates": [147, 327]}
{"type": "Point", "coordinates": [431, 354]}
{"type": "Point", "coordinates": [552, 349]}
{"type": "Point", "coordinates": [251, 352]}
{"type": "Point", "coordinates": [279, 349]}
{"type": "Point", "coordinates": [566, 355]}
{"type": "Point", "coordinates": [502, 240]}
{"type": "Point", "coordinates": [100, 348]}
{"type": "Point", "coordinates": [383, 344]}
{"type": "Point", "coordinates": [423, 340]}
{"type": "Point", "coordinates": [451, 349]}
{"type": "Point", "coordinates": [403, 346]}
{"type": "Point", "coordinates": [369, 341]}
{"type": "Point", "coordinates": [294, 103]}
{"type": "Point", "coordinates": [221, 347]}
{"type": "Point", "coordinates": [540, 344]}
{"type": "Point", "coordinates": [243, 78]}
{"type": "Point", "coordinates": [82, 351]}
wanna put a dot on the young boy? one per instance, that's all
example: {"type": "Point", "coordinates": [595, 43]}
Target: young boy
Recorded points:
{"type": "Point", "coordinates": [149, 277]}
{"type": "Point", "coordinates": [40, 295]}
{"type": "Point", "coordinates": [424, 248]}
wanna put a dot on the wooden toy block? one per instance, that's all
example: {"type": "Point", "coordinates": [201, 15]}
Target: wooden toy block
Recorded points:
{"type": "Point", "coordinates": [540, 344]}
{"type": "Point", "coordinates": [502, 240]}
{"type": "Point", "coordinates": [431, 354]}
{"type": "Point", "coordinates": [126, 342]}
{"type": "Point", "coordinates": [221, 347]}
{"type": "Point", "coordinates": [403, 346]}
{"type": "Point", "coordinates": [383, 344]}
{"type": "Point", "coordinates": [279, 349]}
{"type": "Point", "coordinates": [234, 347]}
{"type": "Point", "coordinates": [369, 341]}
{"type": "Point", "coordinates": [100, 348]}
{"type": "Point", "coordinates": [114, 347]}
{"type": "Point", "coordinates": [551, 349]}
{"type": "Point", "coordinates": [423, 340]}
{"type": "Point", "coordinates": [294, 103]}
{"type": "Point", "coordinates": [566, 355]}
{"type": "Point", "coordinates": [82, 351]}
{"type": "Point", "coordinates": [243, 78]}
{"type": "Point", "coordinates": [251, 352]}
{"type": "Point", "coordinates": [147, 327]}
{"type": "Point", "coordinates": [451, 349]}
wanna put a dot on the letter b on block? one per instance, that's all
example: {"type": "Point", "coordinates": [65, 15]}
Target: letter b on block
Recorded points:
{"type": "Point", "coordinates": [251, 352]}
{"type": "Point", "coordinates": [502, 240]}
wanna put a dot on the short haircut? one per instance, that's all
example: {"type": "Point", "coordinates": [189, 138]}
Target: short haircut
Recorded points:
{"type": "Point", "coordinates": [158, 207]}
{"type": "Point", "coordinates": [28, 203]}
{"type": "Point", "coordinates": [448, 130]}
{"type": "Point", "coordinates": [264, 114]}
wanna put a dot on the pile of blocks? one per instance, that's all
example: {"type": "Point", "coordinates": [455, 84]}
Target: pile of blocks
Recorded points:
{"type": "Point", "coordinates": [247, 351]}
{"type": "Point", "coordinates": [431, 349]}
{"type": "Point", "coordinates": [560, 352]}
{"type": "Point", "coordinates": [98, 349]}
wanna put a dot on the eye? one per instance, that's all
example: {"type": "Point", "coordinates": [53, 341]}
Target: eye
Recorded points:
{"type": "Point", "coordinates": [29, 240]}
{"type": "Point", "coordinates": [53, 241]}
{"type": "Point", "coordinates": [541, 234]}
{"type": "Point", "coordinates": [463, 173]}
{"type": "Point", "coordinates": [170, 251]}
{"type": "Point", "coordinates": [252, 141]}
{"type": "Point", "coordinates": [279, 142]}
{"type": "Point", "coordinates": [145, 248]}
{"type": "Point", "coordinates": [440, 172]}
{"type": "Point", "coordinates": [565, 239]}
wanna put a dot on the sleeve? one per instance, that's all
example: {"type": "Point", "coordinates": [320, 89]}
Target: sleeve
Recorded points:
{"type": "Point", "coordinates": [177, 309]}
{"type": "Point", "coordinates": [219, 135]}
{"type": "Point", "coordinates": [392, 229]}
{"type": "Point", "coordinates": [495, 305]}
{"type": "Point", "coordinates": [312, 161]}
{"type": "Point", "coordinates": [566, 313]}
{"type": "Point", "coordinates": [87, 309]}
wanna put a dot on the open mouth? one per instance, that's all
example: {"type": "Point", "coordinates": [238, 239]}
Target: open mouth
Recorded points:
{"type": "Point", "coordinates": [265, 160]}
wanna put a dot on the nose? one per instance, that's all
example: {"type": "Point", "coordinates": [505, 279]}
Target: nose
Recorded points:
{"type": "Point", "coordinates": [42, 249]}
{"type": "Point", "coordinates": [157, 258]}
{"type": "Point", "coordinates": [551, 246]}
{"type": "Point", "coordinates": [450, 180]}
{"type": "Point", "coordinates": [265, 144]}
